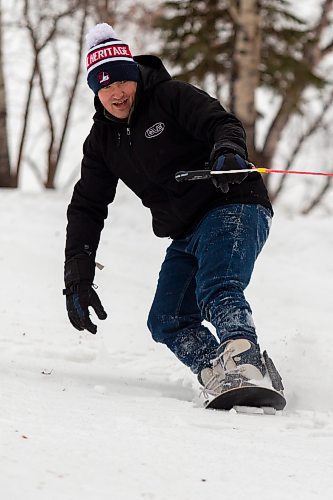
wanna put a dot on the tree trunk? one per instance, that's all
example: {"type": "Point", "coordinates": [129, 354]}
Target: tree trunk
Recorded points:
{"type": "Point", "coordinates": [246, 60]}
{"type": "Point", "coordinates": [51, 173]}
{"type": "Point", "coordinates": [5, 175]}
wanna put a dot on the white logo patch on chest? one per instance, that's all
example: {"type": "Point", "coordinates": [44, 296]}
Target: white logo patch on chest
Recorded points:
{"type": "Point", "coordinates": [154, 130]}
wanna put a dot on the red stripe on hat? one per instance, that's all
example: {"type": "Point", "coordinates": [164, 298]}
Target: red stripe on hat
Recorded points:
{"type": "Point", "coordinates": [107, 52]}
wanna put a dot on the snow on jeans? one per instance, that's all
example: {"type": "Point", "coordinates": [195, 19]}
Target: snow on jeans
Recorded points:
{"type": "Point", "coordinates": [203, 277]}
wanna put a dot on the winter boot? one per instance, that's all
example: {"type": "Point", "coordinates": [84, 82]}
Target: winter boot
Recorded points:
{"type": "Point", "coordinates": [238, 363]}
{"type": "Point", "coordinates": [240, 357]}
{"type": "Point", "coordinates": [211, 379]}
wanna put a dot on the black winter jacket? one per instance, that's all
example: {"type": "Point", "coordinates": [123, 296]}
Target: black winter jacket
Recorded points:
{"type": "Point", "coordinates": [174, 126]}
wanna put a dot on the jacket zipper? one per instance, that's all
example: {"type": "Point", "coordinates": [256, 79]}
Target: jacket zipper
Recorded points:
{"type": "Point", "coordinates": [128, 130]}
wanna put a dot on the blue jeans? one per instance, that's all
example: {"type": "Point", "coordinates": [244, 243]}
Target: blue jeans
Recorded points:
{"type": "Point", "coordinates": [203, 277]}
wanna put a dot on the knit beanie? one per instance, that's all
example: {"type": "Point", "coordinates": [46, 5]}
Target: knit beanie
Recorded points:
{"type": "Point", "coordinates": [109, 59]}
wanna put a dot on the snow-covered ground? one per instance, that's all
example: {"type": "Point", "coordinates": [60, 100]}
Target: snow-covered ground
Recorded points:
{"type": "Point", "coordinates": [114, 416]}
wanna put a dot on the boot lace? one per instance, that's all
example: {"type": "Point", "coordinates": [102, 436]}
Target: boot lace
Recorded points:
{"type": "Point", "coordinates": [216, 383]}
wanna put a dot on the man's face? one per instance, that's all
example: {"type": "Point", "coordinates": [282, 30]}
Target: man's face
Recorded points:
{"type": "Point", "coordinates": [118, 98]}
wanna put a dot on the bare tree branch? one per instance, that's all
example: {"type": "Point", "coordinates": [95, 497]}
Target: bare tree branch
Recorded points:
{"type": "Point", "coordinates": [317, 199]}
{"type": "Point", "coordinates": [25, 122]}
{"type": "Point", "coordinates": [71, 95]}
{"type": "Point", "coordinates": [316, 53]}
{"type": "Point", "coordinates": [293, 95]}
{"type": "Point", "coordinates": [280, 121]}
{"type": "Point", "coordinates": [38, 46]}
{"type": "Point", "coordinates": [5, 172]}
{"type": "Point", "coordinates": [313, 127]}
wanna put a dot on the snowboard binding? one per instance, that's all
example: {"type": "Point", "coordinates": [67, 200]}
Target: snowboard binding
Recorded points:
{"type": "Point", "coordinates": [240, 377]}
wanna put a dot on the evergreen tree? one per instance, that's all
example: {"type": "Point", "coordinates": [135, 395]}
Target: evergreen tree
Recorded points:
{"type": "Point", "coordinates": [244, 45]}
{"type": "Point", "coordinates": [199, 40]}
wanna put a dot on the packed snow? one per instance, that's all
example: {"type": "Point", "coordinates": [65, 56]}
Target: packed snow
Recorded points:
{"type": "Point", "coordinates": [116, 415]}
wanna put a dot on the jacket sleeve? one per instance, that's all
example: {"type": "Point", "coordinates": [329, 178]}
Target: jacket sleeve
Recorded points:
{"type": "Point", "coordinates": [204, 117]}
{"type": "Point", "coordinates": [89, 204]}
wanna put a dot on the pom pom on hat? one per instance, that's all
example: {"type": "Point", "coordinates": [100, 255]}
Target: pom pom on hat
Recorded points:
{"type": "Point", "coordinates": [100, 33]}
{"type": "Point", "coordinates": [109, 59]}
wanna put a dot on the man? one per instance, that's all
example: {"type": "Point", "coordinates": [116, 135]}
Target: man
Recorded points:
{"type": "Point", "coordinates": [146, 128]}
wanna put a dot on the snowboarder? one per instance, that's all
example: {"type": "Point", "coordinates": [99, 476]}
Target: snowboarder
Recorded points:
{"type": "Point", "coordinates": [147, 126]}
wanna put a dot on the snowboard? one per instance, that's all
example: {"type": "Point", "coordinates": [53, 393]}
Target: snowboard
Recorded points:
{"type": "Point", "coordinates": [249, 398]}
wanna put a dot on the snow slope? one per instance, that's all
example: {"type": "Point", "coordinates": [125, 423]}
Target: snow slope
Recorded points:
{"type": "Point", "coordinates": [115, 416]}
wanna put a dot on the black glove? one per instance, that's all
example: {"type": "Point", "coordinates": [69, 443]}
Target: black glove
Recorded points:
{"type": "Point", "coordinates": [78, 299]}
{"type": "Point", "coordinates": [228, 161]}
{"type": "Point", "coordinates": [80, 294]}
